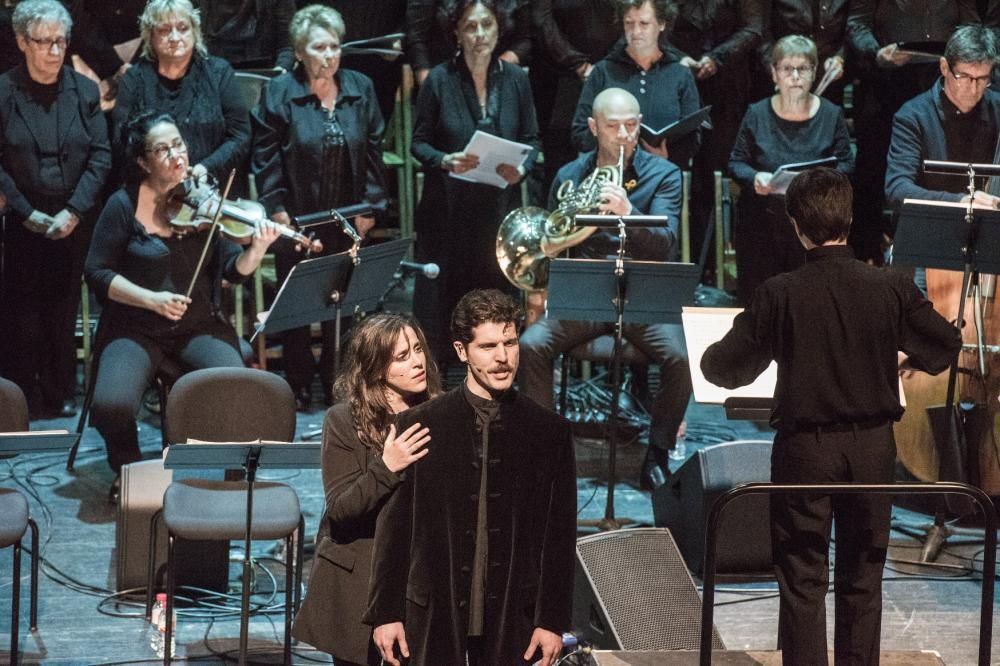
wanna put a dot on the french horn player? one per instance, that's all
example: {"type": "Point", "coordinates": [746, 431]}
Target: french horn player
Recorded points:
{"type": "Point", "coordinates": [644, 185]}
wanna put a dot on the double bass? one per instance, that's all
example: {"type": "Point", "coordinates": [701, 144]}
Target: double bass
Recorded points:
{"type": "Point", "coordinates": [976, 387]}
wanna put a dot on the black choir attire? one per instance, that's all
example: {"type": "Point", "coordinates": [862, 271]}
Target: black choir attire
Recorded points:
{"type": "Point", "coordinates": [930, 127]}
{"type": "Point", "coordinates": [473, 549]}
{"type": "Point", "coordinates": [666, 92]}
{"type": "Point", "coordinates": [766, 243]}
{"type": "Point", "coordinates": [100, 25]}
{"type": "Point", "coordinates": [656, 190]}
{"type": "Point", "coordinates": [457, 220]}
{"type": "Point", "coordinates": [568, 34]}
{"type": "Point", "coordinates": [248, 33]}
{"type": "Point", "coordinates": [10, 55]}
{"type": "Point", "coordinates": [728, 31]}
{"type": "Point", "coordinates": [205, 103]}
{"type": "Point", "coordinates": [834, 326]}
{"type": "Point", "coordinates": [305, 160]}
{"type": "Point", "coordinates": [825, 23]}
{"type": "Point", "coordinates": [357, 485]}
{"type": "Point", "coordinates": [430, 38]}
{"type": "Point", "coordinates": [873, 24]}
{"type": "Point", "coordinates": [54, 155]}
{"type": "Point", "coordinates": [131, 341]}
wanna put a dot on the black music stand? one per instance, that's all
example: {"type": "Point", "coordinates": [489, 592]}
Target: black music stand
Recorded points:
{"type": "Point", "coordinates": [601, 290]}
{"type": "Point", "coordinates": [249, 457]}
{"type": "Point", "coordinates": [13, 444]}
{"type": "Point", "coordinates": [321, 289]}
{"type": "Point", "coordinates": [957, 237]}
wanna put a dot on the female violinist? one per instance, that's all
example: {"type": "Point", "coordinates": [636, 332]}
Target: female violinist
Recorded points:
{"type": "Point", "coordinates": [140, 269]}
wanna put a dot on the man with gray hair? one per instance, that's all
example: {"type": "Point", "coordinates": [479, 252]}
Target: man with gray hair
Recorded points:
{"type": "Point", "coordinates": [956, 120]}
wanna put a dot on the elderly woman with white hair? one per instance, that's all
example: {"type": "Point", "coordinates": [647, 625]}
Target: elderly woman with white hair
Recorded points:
{"type": "Point", "coordinates": [317, 145]}
{"type": "Point", "coordinates": [176, 75]}
{"type": "Point", "coordinates": [54, 158]}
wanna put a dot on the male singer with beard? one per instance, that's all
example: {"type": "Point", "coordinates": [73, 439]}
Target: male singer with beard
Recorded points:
{"type": "Point", "coordinates": [473, 551]}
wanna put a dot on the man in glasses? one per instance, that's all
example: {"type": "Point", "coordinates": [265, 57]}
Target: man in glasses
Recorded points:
{"type": "Point", "coordinates": [956, 120]}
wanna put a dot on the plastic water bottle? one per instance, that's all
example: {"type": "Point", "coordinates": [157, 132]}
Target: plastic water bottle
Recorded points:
{"type": "Point", "coordinates": [158, 621]}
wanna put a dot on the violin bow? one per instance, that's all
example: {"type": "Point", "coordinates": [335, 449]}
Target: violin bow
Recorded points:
{"type": "Point", "coordinates": [211, 233]}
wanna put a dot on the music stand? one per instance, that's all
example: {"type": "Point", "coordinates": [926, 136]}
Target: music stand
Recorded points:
{"type": "Point", "coordinates": [13, 444]}
{"type": "Point", "coordinates": [321, 289]}
{"type": "Point", "coordinates": [951, 236]}
{"type": "Point", "coordinates": [600, 290]}
{"type": "Point", "coordinates": [249, 456]}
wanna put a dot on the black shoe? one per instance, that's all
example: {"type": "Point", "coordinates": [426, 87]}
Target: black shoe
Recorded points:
{"type": "Point", "coordinates": [67, 408]}
{"type": "Point", "coordinates": [115, 490]}
{"type": "Point", "coordinates": [303, 399]}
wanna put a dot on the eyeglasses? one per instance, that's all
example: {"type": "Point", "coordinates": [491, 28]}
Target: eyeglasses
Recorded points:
{"type": "Point", "coordinates": [164, 30]}
{"type": "Point", "coordinates": [964, 79]}
{"type": "Point", "coordinates": [163, 151]}
{"type": "Point", "coordinates": [801, 70]}
{"type": "Point", "coordinates": [45, 45]}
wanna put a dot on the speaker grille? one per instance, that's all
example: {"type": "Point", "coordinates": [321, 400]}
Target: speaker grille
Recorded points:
{"type": "Point", "coordinates": [644, 588]}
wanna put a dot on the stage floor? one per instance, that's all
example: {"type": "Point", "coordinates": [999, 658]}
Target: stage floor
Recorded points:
{"type": "Point", "coordinates": [926, 608]}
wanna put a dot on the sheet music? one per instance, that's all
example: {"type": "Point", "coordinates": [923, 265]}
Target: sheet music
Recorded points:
{"type": "Point", "coordinates": [492, 152]}
{"type": "Point", "coordinates": [704, 326]}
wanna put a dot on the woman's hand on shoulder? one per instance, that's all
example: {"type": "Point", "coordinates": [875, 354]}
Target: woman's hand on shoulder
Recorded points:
{"type": "Point", "coordinates": [401, 451]}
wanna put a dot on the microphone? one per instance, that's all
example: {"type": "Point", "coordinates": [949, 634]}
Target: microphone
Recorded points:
{"type": "Point", "coordinates": [429, 271]}
{"type": "Point", "coordinates": [333, 215]}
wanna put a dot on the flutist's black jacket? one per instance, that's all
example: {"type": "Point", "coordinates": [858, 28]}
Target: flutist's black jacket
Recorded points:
{"type": "Point", "coordinates": [834, 326]}
{"type": "Point", "coordinates": [425, 539]}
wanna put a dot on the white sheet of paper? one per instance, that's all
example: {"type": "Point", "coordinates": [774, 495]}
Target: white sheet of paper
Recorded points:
{"type": "Point", "coordinates": [704, 326]}
{"type": "Point", "coordinates": [492, 152]}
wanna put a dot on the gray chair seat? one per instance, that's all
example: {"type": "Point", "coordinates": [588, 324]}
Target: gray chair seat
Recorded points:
{"type": "Point", "coordinates": [276, 510]}
{"type": "Point", "coordinates": [13, 517]}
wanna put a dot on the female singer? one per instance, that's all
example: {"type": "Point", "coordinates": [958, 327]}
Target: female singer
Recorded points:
{"type": "Point", "coordinates": [317, 146]}
{"type": "Point", "coordinates": [54, 158]}
{"type": "Point", "coordinates": [457, 220]}
{"type": "Point", "coordinates": [665, 89]}
{"type": "Point", "coordinates": [176, 75]}
{"type": "Point", "coordinates": [387, 371]}
{"type": "Point", "coordinates": [140, 269]}
{"type": "Point", "coordinates": [789, 127]}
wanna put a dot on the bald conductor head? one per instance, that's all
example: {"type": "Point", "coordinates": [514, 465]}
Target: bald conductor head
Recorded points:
{"type": "Point", "coordinates": [615, 122]}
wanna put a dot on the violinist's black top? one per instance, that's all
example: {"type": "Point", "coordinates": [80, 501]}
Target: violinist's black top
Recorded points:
{"type": "Point", "coordinates": [122, 246]}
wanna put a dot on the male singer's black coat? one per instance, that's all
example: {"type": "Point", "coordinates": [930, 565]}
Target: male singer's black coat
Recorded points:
{"type": "Point", "coordinates": [426, 534]}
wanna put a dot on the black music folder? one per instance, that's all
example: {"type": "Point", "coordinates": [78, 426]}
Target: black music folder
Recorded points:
{"type": "Point", "coordinates": [677, 129]}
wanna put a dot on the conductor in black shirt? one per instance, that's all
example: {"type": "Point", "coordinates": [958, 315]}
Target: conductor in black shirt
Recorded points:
{"type": "Point", "coordinates": [836, 327]}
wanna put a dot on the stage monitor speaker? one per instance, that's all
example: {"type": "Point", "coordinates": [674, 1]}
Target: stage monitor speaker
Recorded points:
{"type": "Point", "coordinates": [633, 592]}
{"type": "Point", "coordinates": [202, 564]}
{"type": "Point", "coordinates": [682, 504]}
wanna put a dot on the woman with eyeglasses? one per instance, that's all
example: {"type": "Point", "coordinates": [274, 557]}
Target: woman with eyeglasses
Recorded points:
{"type": "Point", "coordinates": [54, 158]}
{"type": "Point", "coordinates": [790, 127]}
{"type": "Point", "coordinates": [317, 146]}
{"type": "Point", "coordinates": [176, 75]}
{"type": "Point", "coordinates": [141, 268]}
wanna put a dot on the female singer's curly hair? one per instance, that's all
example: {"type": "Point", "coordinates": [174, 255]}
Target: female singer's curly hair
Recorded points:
{"type": "Point", "coordinates": [136, 131]}
{"type": "Point", "coordinates": [362, 381]}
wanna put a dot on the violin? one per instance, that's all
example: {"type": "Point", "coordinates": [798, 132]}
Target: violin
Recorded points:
{"type": "Point", "coordinates": [193, 205]}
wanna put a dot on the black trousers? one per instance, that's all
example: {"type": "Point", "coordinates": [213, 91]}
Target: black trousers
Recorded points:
{"type": "Point", "coordinates": [39, 299]}
{"type": "Point", "coordinates": [800, 538]}
{"type": "Point", "coordinates": [127, 363]}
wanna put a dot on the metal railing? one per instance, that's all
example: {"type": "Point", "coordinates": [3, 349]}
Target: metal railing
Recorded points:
{"type": "Point", "coordinates": [940, 488]}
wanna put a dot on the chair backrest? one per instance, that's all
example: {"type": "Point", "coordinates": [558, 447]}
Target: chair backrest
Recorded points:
{"type": "Point", "coordinates": [13, 407]}
{"type": "Point", "coordinates": [231, 404]}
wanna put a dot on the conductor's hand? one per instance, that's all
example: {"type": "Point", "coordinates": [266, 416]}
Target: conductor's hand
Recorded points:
{"type": "Point", "coordinates": [891, 56]}
{"type": "Point", "coordinates": [399, 452]}
{"type": "Point", "coordinates": [510, 173]}
{"type": "Point", "coordinates": [385, 637]}
{"type": "Point", "coordinates": [762, 182]}
{"type": "Point", "coordinates": [459, 162]}
{"type": "Point", "coordinates": [550, 643]}
{"type": "Point", "coordinates": [614, 200]}
{"type": "Point", "coordinates": [168, 304]}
